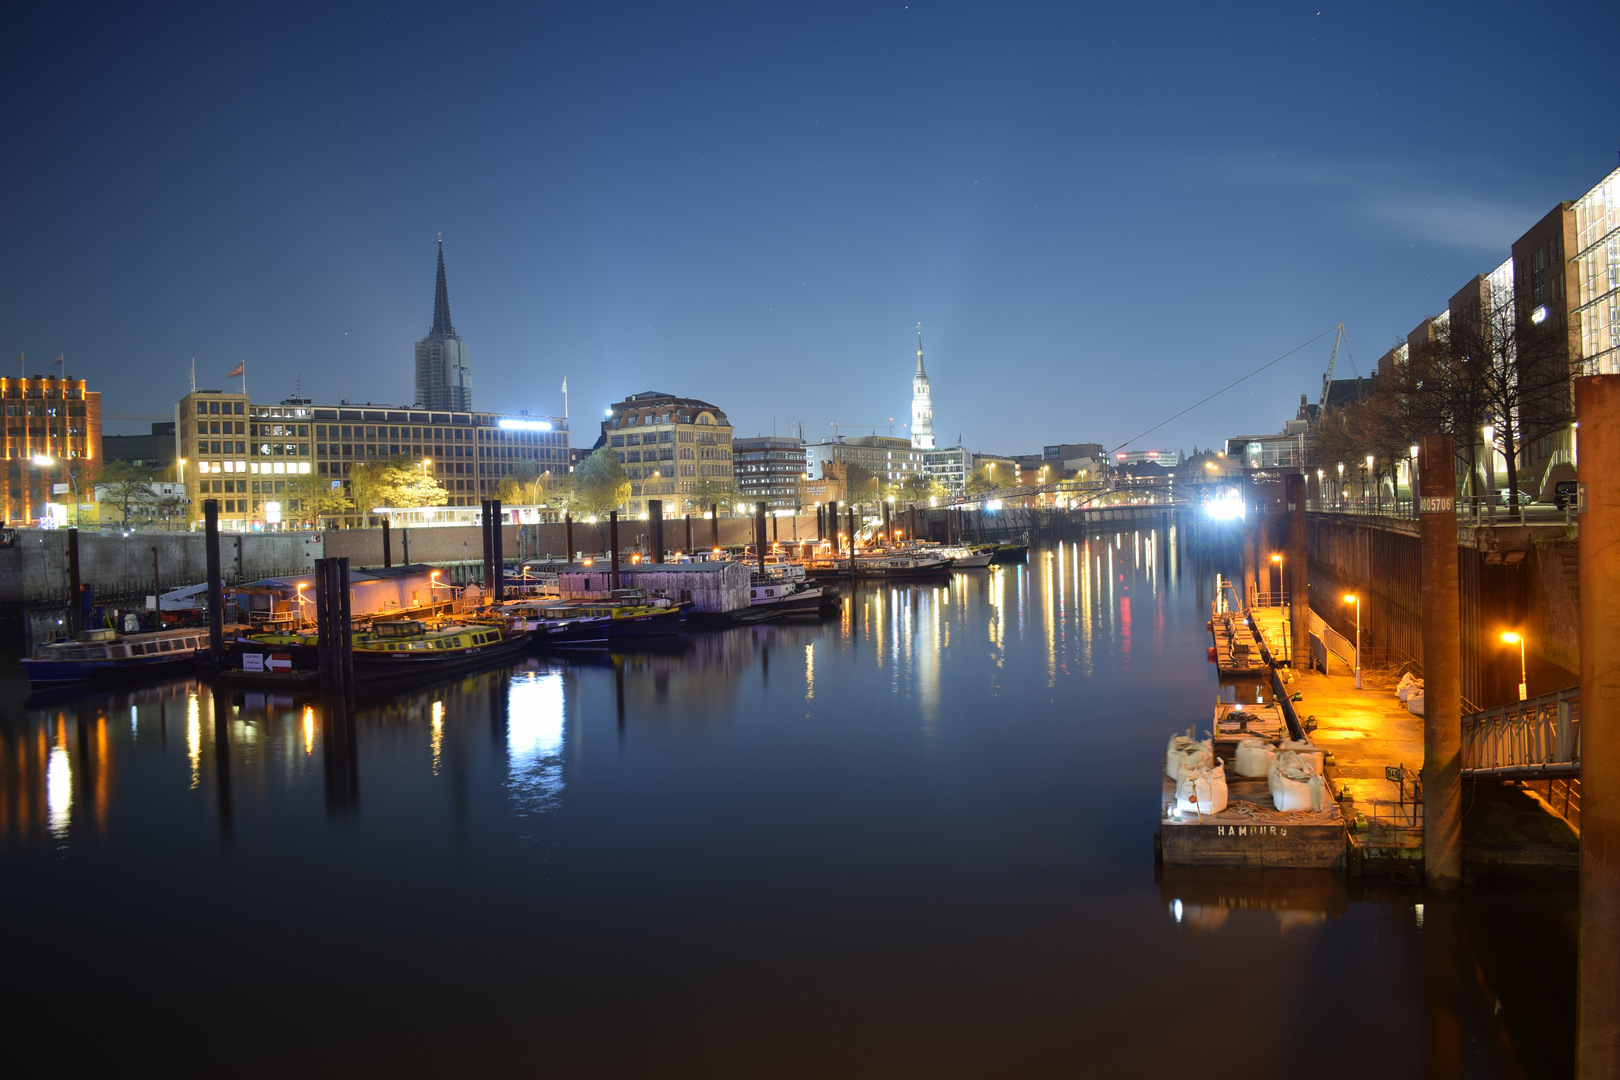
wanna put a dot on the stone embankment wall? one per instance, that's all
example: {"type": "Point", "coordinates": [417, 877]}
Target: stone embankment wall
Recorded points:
{"type": "Point", "coordinates": [35, 568]}
{"type": "Point", "coordinates": [454, 544]}
{"type": "Point", "coordinates": [1508, 579]}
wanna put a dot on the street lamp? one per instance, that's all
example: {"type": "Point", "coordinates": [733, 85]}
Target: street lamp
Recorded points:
{"type": "Point", "coordinates": [1338, 493]}
{"type": "Point", "coordinates": [1352, 598]}
{"type": "Point", "coordinates": [1276, 560]}
{"type": "Point", "coordinates": [1490, 460]}
{"type": "Point", "coordinates": [1371, 476]}
{"type": "Point", "coordinates": [1510, 638]}
{"type": "Point", "coordinates": [425, 463]}
{"type": "Point", "coordinates": [45, 461]}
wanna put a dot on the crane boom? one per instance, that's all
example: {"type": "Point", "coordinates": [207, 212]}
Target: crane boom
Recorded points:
{"type": "Point", "coordinates": [1327, 376]}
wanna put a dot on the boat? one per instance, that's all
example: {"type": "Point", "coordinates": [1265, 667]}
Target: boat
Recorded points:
{"type": "Point", "coordinates": [1012, 552]}
{"type": "Point", "coordinates": [627, 615]}
{"type": "Point", "coordinates": [406, 648]}
{"type": "Point", "coordinates": [888, 567]}
{"type": "Point", "coordinates": [106, 655]}
{"type": "Point", "coordinates": [784, 595]}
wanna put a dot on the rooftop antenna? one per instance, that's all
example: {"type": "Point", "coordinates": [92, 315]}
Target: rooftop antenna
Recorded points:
{"type": "Point", "coordinates": [193, 374]}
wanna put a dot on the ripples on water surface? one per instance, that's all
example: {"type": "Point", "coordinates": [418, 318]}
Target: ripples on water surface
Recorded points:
{"type": "Point", "coordinates": [914, 840]}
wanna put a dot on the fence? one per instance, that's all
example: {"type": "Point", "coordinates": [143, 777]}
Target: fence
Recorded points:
{"type": "Point", "coordinates": [1335, 642]}
{"type": "Point", "coordinates": [1534, 739]}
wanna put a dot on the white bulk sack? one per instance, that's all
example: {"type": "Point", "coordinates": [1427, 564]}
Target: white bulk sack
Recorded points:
{"type": "Point", "coordinates": [1184, 753]}
{"type": "Point", "coordinates": [1307, 750]}
{"type": "Point", "coordinates": [1414, 702]}
{"type": "Point", "coordinates": [1295, 783]}
{"type": "Point", "coordinates": [1406, 685]}
{"type": "Point", "coordinates": [1202, 790]}
{"type": "Point", "coordinates": [1254, 757]}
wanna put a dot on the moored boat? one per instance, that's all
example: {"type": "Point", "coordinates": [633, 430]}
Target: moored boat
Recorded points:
{"type": "Point", "coordinates": [106, 655]}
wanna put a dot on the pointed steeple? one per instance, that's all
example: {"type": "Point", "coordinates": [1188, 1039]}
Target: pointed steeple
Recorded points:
{"type": "Point", "coordinates": [920, 370]}
{"type": "Point", "coordinates": [442, 327]}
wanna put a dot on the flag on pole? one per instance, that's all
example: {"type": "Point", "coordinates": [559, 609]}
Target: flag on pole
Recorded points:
{"type": "Point", "coordinates": [565, 384]}
{"type": "Point", "coordinates": [237, 370]}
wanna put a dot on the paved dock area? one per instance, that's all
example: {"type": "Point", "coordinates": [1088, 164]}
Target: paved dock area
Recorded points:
{"type": "Point", "coordinates": [1505, 826]}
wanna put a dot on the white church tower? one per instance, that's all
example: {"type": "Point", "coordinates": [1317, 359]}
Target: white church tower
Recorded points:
{"type": "Point", "coordinates": [922, 404]}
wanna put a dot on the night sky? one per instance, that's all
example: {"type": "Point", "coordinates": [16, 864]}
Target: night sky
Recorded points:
{"type": "Point", "coordinates": [1098, 213]}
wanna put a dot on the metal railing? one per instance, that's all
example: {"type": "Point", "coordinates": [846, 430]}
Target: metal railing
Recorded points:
{"type": "Point", "coordinates": [1335, 642]}
{"type": "Point", "coordinates": [1535, 739]}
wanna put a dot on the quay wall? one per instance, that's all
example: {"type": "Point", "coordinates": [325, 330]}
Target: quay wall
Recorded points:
{"type": "Point", "coordinates": [35, 568]}
{"type": "Point", "coordinates": [1507, 580]}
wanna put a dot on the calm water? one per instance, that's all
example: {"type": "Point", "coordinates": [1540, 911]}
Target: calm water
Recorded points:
{"type": "Point", "coordinates": [912, 841]}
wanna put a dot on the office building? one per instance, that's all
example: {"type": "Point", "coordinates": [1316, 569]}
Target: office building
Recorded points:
{"type": "Point", "coordinates": [443, 362]}
{"type": "Point", "coordinates": [53, 439]}
{"type": "Point", "coordinates": [247, 455]}
{"type": "Point", "coordinates": [672, 448]}
{"type": "Point", "coordinates": [154, 451]}
{"type": "Point", "coordinates": [769, 470]}
{"type": "Point", "coordinates": [870, 462]}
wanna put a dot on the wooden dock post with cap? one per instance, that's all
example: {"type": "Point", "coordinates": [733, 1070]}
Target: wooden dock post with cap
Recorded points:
{"type": "Point", "coordinates": [1442, 667]}
{"type": "Point", "coordinates": [216, 592]}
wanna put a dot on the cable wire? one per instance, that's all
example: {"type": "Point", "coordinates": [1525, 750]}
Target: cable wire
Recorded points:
{"type": "Point", "coordinates": [1227, 387]}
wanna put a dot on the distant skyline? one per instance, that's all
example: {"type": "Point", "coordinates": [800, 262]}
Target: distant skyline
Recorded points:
{"type": "Point", "coordinates": [1098, 216]}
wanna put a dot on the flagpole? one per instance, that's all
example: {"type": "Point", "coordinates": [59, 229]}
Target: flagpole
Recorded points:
{"type": "Point", "coordinates": [565, 397]}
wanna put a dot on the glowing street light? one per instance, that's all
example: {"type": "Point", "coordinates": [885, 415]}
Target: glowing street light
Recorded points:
{"type": "Point", "coordinates": [1352, 598]}
{"type": "Point", "coordinates": [1276, 560]}
{"type": "Point", "coordinates": [1510, 638]}
{"type": "Point", "coordinates": [425, 463]}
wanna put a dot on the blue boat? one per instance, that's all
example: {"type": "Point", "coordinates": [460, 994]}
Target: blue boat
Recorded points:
{"type": "Point", "coordinates": [108, 656]}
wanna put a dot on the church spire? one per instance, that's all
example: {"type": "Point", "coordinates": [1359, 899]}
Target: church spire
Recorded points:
{"type": "Point", "coordinates": [920, 370]}
{"type": "Point", "coordinates": [442, 327]}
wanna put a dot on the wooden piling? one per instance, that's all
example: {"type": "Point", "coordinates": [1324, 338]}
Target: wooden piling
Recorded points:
{"type": "Point", "coordinates": [216, 592]}
{"type": "Point", "coordinates": [714, 525]}
{"type": "Point", "coordinates": [497, 552]}
{"type": "Point", "coordinates": [759, 534]}
{"type": "Point", "coordinates": [75, 619]}
{"type": "Point", "coordinates": [655, 518]}
{"type": "Point", "coordinates": [613, 541]}
{"type": "Point", "coordinates": [388, 546]}
{"type": "Point", "coordinates": [688, 548]}
{"type": "Point", "coordinates": [568, 536]}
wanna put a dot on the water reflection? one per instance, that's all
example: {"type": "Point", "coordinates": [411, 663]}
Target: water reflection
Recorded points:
{"type": "Point", "coordinates": [534, 739]}
{"type": "Point", "coordinates": [941, 812]}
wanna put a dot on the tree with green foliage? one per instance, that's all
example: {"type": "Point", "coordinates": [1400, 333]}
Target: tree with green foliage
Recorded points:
{"type": "Point", "coordinates": [125, 485]}
{"type": "Point", "coordinates": [600, 484]}
{"type": "Point", "coordinates": [527, 485]}
{"type": "Point", "coordinates": [308, 499]}
{"type": "Point", "coordinates": [709, 492]}
{"type": "Point", "coordinates": [980, 482]}
{"type": "Point", "coordinates": [394, 482]}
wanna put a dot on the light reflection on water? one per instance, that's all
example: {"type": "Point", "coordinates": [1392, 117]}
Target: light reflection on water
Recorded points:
{"type": "Point", "coordinates": [928, 820]}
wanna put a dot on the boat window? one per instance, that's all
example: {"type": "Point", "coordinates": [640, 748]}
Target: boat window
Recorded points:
{"type": "Point", "coordinates": [165, 645]}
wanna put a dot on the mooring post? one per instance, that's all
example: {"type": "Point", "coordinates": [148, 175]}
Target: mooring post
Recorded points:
{"type": "Point", "coordinates": [388, 545]}
{"type": "Point", "coordinates": [1442, 668]}
{"type": "Point", "coordinates": [157, 584]}
{"type": "Point", "coordinates": [688, 548]}
{"type": "Point", "coordinates": [1597, 412]}
{"type": "Point", "coordinates": [345, 628]}
{"type": "Point", "coordinates": [613, 541]}
{"type": "Point", "coordinates": [1299, 601]}
{"type": "Point", "coordinates": [852, 570]}
{"type": "Point", "coordinates": [488, 580]}
{"type": "Point", "coordinates": [75, 619]}
{"type": "Point", "coordinates": [568, 536]}
{"type": "Point", "coordinates": [497, 551]}
{"type": "Point", "coordinates": [323, 622]}
{"type": "Point", "coordinates": [655, 516]}
{"type": "Point", "coordinates": [216, 592]}
{"type": "Point", "coordinates": [888, 534]}
{"type": "Point", "coordinates": [759, 534]}
{"type": "Point", "coordinates": [714, 525]}
{"type": "Point", "coordinates": [405, 546]}
{"type": "Point", "coordinates": [832, 525]}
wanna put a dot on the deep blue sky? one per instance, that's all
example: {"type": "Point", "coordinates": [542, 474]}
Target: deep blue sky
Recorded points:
{"type": "Point", "coordinates": [1098, 214]}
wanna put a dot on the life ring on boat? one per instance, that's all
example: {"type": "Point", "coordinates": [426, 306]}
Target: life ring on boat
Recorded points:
{"type": "Point", "coordinates": [1211, 654]}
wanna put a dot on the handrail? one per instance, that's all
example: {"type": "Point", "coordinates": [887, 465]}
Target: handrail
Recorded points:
{"type": "Point", "coordinates": [1541, 737]}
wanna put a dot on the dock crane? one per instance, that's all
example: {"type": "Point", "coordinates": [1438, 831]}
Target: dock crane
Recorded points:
{"type": "Point", "coordinates": [1327, 376]}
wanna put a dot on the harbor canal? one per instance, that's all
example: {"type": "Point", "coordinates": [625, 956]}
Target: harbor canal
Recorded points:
{"type": "Point", "coordinates": [912, 840]}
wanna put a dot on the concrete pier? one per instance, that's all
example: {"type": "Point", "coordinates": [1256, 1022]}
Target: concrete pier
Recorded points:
{"type": "Point", "coordinates": [1442, 667]}
{"type": "Point", "coordinates": [1597, 409]}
